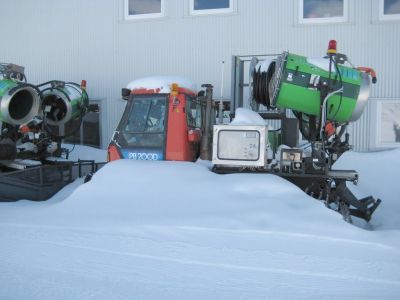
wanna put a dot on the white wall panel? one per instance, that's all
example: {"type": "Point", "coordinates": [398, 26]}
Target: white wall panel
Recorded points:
{"type": "Point", "coordinates": [75, 39]}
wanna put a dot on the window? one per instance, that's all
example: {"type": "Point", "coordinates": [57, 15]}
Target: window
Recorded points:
{"type": "Point", "coordinates": [89, 131]}
{"type": "Point", "coordinates": [143, 9]}
{"type": "Point", "coordinates": [193, 112]}
{"type": "Point", "coordinates": [389, 10]}
{"type": "Point", "coordinates": [388, 125]}
{"type": "Point", "coordinates": [323, 11]}
{"type": "Point", "coordinates": [145, 122]}
{"type": "Point", "coordinates": [201, 7]}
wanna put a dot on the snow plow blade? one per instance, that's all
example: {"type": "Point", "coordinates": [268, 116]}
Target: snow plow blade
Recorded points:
{"type": "Point", "coordinates": [363, 208]}
{"type": "Point", "coordinates": [331, 188]}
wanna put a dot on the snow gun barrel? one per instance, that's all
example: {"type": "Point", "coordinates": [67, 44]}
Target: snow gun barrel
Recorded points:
{"type": "Point", "coordinates": [63, 102]}
{"type": "Point", "coordinates": [307, 85]}
{"type": "Point", "coordinates": [19, 102]}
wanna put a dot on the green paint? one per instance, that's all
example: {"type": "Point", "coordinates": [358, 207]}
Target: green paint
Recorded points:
{"type": "Point", "coordinates": [275, 139]}
{"type": "Point", "coordinates": [296, 92]}
{"type": "Point", "coordinates": [5, 86]}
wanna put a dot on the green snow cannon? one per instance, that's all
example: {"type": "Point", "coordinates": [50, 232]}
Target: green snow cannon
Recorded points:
{"type": "Point", "coordinates": [297, 80]}
{"type": "Point", "coordinates": [64, 102]}
{"type": "Point", "coordinates": [19, 102]}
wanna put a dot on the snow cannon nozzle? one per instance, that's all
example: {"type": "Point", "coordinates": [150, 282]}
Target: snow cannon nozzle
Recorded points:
{"type": "Point", "coordinates": [369, 71]}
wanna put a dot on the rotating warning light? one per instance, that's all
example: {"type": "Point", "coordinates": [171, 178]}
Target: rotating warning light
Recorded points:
{"type": "Point", "coordinates": [332, 47]}
{"type": "Point", "coordinates": [83, 84]}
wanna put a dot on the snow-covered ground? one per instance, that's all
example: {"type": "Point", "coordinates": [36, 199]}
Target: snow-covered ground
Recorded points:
{"type": "Point", "coordinates": [170, 230]}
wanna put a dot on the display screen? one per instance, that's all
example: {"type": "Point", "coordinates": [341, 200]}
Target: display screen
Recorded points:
{"type": "Point", "coordinates": [238, 145]}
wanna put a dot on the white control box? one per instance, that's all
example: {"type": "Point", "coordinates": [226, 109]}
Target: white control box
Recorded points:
{"type": "Point", "coordinates": [240, 145]}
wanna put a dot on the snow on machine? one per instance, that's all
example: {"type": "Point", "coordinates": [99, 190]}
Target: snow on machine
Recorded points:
{"type": "Point", "coordinates": [166, 118]}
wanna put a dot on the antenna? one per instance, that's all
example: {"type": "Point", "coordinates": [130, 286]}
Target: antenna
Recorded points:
{"type": "Point", "coordinates": [221, 105]}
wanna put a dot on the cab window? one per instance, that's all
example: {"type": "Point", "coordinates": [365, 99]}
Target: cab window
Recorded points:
{"type": "Point", "coordinates": [193, 112]}
{"type": "Point", "coordinates": [146, 121]}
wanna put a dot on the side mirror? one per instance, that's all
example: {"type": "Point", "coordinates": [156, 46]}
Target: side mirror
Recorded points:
{"type": "Point", "coordinates": [125, 93]}
{"type": "Point", "coordinates": [194, 135]}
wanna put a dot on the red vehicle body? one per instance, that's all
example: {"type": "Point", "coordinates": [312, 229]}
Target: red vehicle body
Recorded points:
{"type": "Point", "coordinates": [161, 123]}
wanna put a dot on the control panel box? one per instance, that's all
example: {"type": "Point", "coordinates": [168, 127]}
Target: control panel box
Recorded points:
{"type": "Point", "coordinates": [240, 145]}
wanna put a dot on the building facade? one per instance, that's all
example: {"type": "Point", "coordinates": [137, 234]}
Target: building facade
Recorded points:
{"type": "Point", "coordinates": [111, 42]}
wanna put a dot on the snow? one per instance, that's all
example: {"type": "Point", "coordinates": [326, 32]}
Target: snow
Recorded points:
{"type": "Point", "coordinates": [163, 83]}
{"type": "Point", "coordinates": [322, 63]}
{"type": "Point", "coordinates": [379, 176]}
{"type": "Point", "coordinates": [244, 116]}
{"type": "Point", "coordinates": [85, 153]}
{"type": "Point", "coordinates": [175, 230]}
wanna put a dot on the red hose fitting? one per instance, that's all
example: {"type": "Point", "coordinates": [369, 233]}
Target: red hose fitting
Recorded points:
{"type": "Point", "coordinates": [369, 71]}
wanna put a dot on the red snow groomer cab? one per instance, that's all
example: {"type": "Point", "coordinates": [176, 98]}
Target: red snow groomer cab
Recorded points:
{"type": "Point", "coordinates": [161, 121]}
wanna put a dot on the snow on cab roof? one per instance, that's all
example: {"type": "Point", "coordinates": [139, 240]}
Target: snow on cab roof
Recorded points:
{"type": "Point", "coordinates": [163, 83]}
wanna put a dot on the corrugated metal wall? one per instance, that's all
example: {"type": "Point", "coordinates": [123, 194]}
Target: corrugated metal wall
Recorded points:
{"type": "Point", "coordinates": [75, 39]}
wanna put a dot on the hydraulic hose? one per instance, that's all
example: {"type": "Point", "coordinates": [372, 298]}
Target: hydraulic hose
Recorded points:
{"type": "Point", "coordinates": [261, 80]}
{"type": "Point", "coordinates": [369, 71]}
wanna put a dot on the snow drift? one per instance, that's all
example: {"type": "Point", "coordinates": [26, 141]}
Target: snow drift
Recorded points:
{"type": "Point", "coordinates": [170, 230]}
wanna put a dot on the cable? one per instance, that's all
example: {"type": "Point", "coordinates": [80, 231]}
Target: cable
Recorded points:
{"type": "Point", "coordinates": [341, 86]}
{"type": "Point", "coordinates": [324, 115]}
{"type": "Point", "coordinates": [72, 150]}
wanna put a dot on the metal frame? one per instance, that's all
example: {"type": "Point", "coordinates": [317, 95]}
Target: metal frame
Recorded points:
{"type": "Point", "coordinates": [238, 83]}
{"type": "Point", "coordinates": [101, 104]}
{"type": "Point", "coordinates": [378, 137]}
{"type": "Point", "coordinates": [42, 182]}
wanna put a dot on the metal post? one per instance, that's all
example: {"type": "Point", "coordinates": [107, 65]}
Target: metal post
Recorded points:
{"type": "Point", "coordinates": [221, 105]}
{"type": "Point", "coordinates": [206, 139]}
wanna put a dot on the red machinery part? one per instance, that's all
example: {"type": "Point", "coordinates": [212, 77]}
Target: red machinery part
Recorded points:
{"type": "Point", "coordinates": [113, 153]}
{"type": "Point", "coordinates": [369, 71]}
{"type": "Point", "coordinates": [178, 146]}
{"type": "Point", "coordinates": [330, 129]}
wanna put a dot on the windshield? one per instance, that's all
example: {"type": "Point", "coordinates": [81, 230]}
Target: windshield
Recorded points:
{"type": "Point", "coordinates": [145, 123]}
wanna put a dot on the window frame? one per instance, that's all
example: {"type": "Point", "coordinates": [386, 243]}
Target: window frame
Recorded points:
{"type": "Point", "coordinates": [379, 143]}
{"type": "Point", "coordinates": [70, 139]}
{"type": "Point", "coordinates": [129, 17]}
{"type": "Point", "coordinates": [202, 12]}
{"type": "Point", "coordinates": [126, 135]}
{"type": "Point", "coordinates": [386, 17]}
{"type": "Point", "coordinates": [342, 19]}
{"type": "Point", "coordinates": [190, 100]}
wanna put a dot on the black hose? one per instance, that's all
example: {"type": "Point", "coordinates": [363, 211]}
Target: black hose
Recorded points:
{"type": "Point", "coordinates": [261, 82]}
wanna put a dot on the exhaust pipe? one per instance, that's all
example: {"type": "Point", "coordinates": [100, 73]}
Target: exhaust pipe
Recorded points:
{"type": "Point", "coordinates": [63, 102]}
{"type": "Point", "coordinates": [19, 103]}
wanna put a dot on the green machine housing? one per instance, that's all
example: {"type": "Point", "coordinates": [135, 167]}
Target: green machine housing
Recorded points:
{"type": "Point", "coordinates": [296, 85]}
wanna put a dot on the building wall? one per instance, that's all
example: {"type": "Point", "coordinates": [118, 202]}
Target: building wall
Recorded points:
{"type": "Point", "coordinates": [75, 39]}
